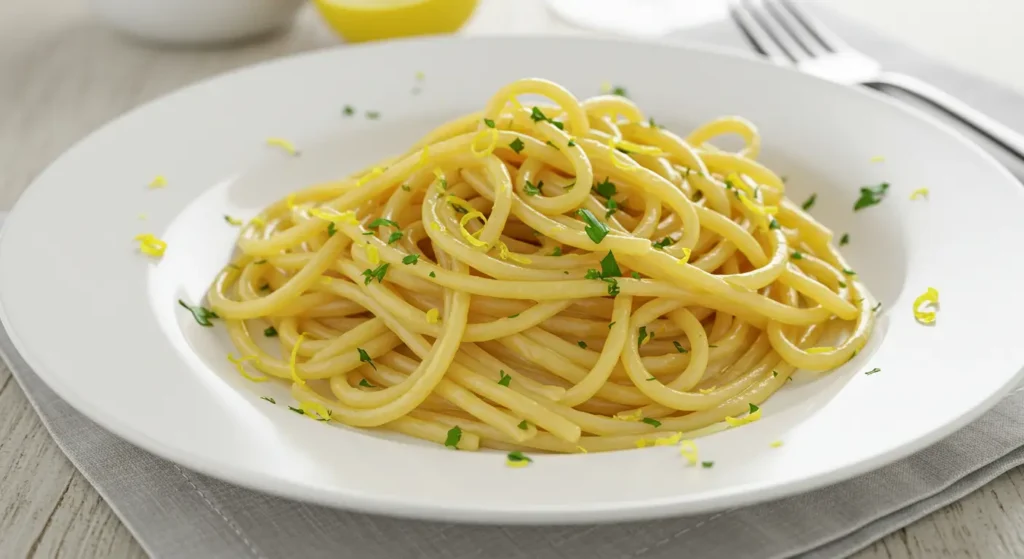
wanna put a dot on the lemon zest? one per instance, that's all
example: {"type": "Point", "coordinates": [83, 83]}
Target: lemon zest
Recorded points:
{"type": "Point", "coordinates": [764, 211]}
{"type": "Point", "coordinates": [233, 221]}
{"type": "Point", "coordinates": [877, 159]}
{"type": "Point", "coordinates": [321, 411]}
{"type": "Point", "coordinates": [741, 184]}
{"type": "Point", "coordinates": [158, 181]}
{"type": "Point", "coordinates": [149, 244]}
{"type": "Point", "coordinates": [639, 148]}
{"type": "Point", "coordinates": [824, 349]}
{"type": "Point", "coordinates": [749, 418]}
{"type": "Point", "coordinates": [505, 254]}
{"type": "Point", "coordinates": [436, 226]}
{"type": "Point", "coordinates": [688, 450]}
{"type": "Point", "coordinates": [258, 221]}
{"type": "Point", "coordinates": [686, 256]}
{"type": "Point", "coordinates": [641, 443]}
{"type": "Point", "coordinates": [290, 201]}
{"type": "Point", "coordinates": [516, 463]}
{"type": "Point", "coordinates": [612, 144]}
{"type": "Point", "coordinates": [919, 193]}
{"type": "Point", "coordinates": [283, 144]}
{"type": "Point", "coordinates": [424, 157]}
{"type": "Point", "coordinates": [671, 440]}
{"type": "Point", "coordinates": [372, 254]}
{"type": "Point", "coordinates": [490, 147]}
{"type": "Point", "coordinates": [291, 361]}
{"type": "Point", "coordinates": [465, 232]}
{"type": "Point", "coordinates": [776, 444]}
{"type": "Point", "coordinates": [515, 102]}
{"type": "Point", "coordinates": [432, 316]}
{"type": "Point", "coordinates": [930, 296]}
{"type": "Point", "coordinates": [635, 415]}
{"type": "Point", "coordinates": [581, 449]}
{"type": "Point", "coordinates": [708, 390]}
{"type": "Point", "coordinates": [239, 363]}
{"type": "Point", "coordinates": [377, 171]}
{"type": "Point", "coordinates": [348, 218]}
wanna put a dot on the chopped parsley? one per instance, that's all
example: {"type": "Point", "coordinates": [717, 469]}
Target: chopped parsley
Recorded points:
{"type": "Point", "coordinates": [650, 379]}
{"type": "Point", "coordinates": [572, 143]}
{"type": "Point", "coordinates": [269, 399]}
{"type": "Point", "coordinates": [605, 188]}
{"type": "Point", "coordinates": [796, 255]}
{"type": "Point", "coordinates": [660, 245]}
{"type": "Point", "coordinates": [517, 145]}
{"type": "Point", "coordinates": [842, 284]}
{"type": "Point", "coordinates": [513, 315]}
{"type": "Point", "coordinates": [365, 358]}
{"type": "Point", "coordinates": [538, 116]}
{"type": "Point", "coordinates": [635, 275]}
{"type": "Point", "coordinates": [653, 124]}
{"type": "Point", "coordinates": [200, 313]}
{"type": "Point", "coordinates": [523, 425]}
{"type": "Point", "coordinates": [582, 344]}
{"type": "Point", "coordinates": [395, 237]}
{"type": "Point", "coordinates": [366, 383]}
{"type": "Point", "coordinates": [612, 206]}
{"type": "Point", "coordinates": [679, 347]}
{"type": "Point", "coordinates": [596, 230]}
{"type": "Point", "coordinates": [620, 91]}
{"type": "Point", "coordinates": [489, 123]}
{"type": "Point", "coordinates": [753, 408]}
{"type": "Point", "coordinates": [518, 456]}
{"type": "Point", "coordinates": [707, 465]}
{"type": "Point", "coordinates": [348, 110]}
{"type": "Point", "coordinates": [876, 307]}
{"type": "Point", "coordinates": [870, 196]}
{"type": "Point", "coordinates": [844, 240]}
{"type": "Point", "coordinates": [433, 275]}
{"type": "Point", "coordinates": [873, 371]}
{"type": "Point", "coordinates": [504, 379]}
{"type": "Point", "coordinates": [849, 272]}
{"type": "Point", "coordinates": [610, 324]}
{"type": "Point", "coordinates": [809, 203]}
{"type": "Point", "coordinates": [775, 374]}
{"type": "Point", "coordinates": [651, 421]}
{"type": "Point", "coordinates": [643, 336]}
{"type": "Point", "coordinates": [331, 229]}
{"type": "Point", "coordinates": [410, 259]}
{"type": "Point", "coordinates": [533, 189]}
{"type": "Point", "coordinates": [609, 267]}
{"type": "Point", "coordinates": [377, 273]}
{"type": "Point", "coordinates": [557, 251]}
{"type": "Point", "coordinates": [270, 332]}
{"type": "Point", "coordinates": [454, 436]}
{"type": "Point", "coordinates": [380, 221]}
{"type": "Point", "coordinates": [297, 410]}
{"type": "Point", "coordinates": [262, 261]}
{"type": "Point", "coordinates": [372, 115]}
{"type": "Point", "coordinates": [773, 224]}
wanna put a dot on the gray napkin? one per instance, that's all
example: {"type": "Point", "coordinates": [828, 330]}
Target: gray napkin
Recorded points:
{"type": "Point", "coordinates": [178, 513]}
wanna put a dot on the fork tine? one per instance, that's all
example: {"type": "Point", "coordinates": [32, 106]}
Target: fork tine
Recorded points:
{"type": "Point", "coordinates": [785, 18]}
{"type": "Point", "coordinates": [774, 28]}
{"type": "Point", "coordinates": [813, 26]}
{"type": "Point", "coordinates": [758, 37]}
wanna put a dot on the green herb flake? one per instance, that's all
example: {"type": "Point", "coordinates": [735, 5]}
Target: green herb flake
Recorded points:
{"type": "Point", "coordinates": [365, 383]}
{"type": "Point", "coordinates": [394, 237]}
{"type": "Point", "coordinates": [876, 307]}
{"type": "Point", "coordinates": [372, 115]}
{"type": "Point", "coordinates": [873, 371]}
{"type": "Point", "coordinates": [538, 116]}
{"type": "Point", "coordinates": [582, 344]}
{"type": "Point", "coordinates": [572, 143]}
{"type": "Point", "coordinates": [796, 255]}
{"type": "Point", "coordinates": [432, 274]}
{"type": "Point", "coordinates": [653, 124]}
{"type": "Point", "coordinates": [377, 273]}
{"type": "Point", "coordinates": [849, 272]}
{"type": "Point", "coordinates": [842, 284]}
{"type": "Point", "coordinates": [773, 224]}
{"type": "Point", "coordinates": [635, 275]}
{"type": "Point", "coordinates": [707, 465]}
{"type": "Point", "coordinates": [523, 425]}
{"type": "Point", "coordinates": [557, 251]}
{"type": "Point", "coordinates": [753, 408]}
{"type": "Point", "coordinates": [844, 240]}
{"type": "Point", "coordinates": [365, 358]}
{"type": "Point", "coordinates": [348, 110]}
{"type": "Point", "coordinates": [297, 410]}
{"type": "Point", "coordinates": [265, 287]}
{"type": "Point", "coordinates": [331, 229]}
{"type": "Point", "coordinates": [609, 267]}
{"type": "Point", "coordinates": [643, 336]}
{"type": "Point", "coordinates": [504, 379]}
{"type": "Point", "coordinates": [381, 222]}
{"type": "Point", "coordinates": [610, 324]}
{"type": "Point", "coordinates": [518, 456]}
{"type": "Point", "coordinates": [270, 332]}
{"type": "Point", "coordinates": [775, 374]}
{"type": "Point", "coordinates": [613, 286]}
{"type": "Point", "coordinates": [533, 189]}
{"type": "Point", "coordinates": [651, 421]}
{"type": "Point", "coordinates": [870, 196]}
{"type": "Point", "coordinates": [406, 188]}
{"type": "Point", "coordinates": [809, 203]}
{"type": "Point", "coordinates": [612, 206]}
{"type": "Point", "coordinates": [410, 259]}
{"type": "Point", "coordinates": [268, 399]}
{"type": "Point", "coordinates": [258, 262]}
{"type": "Point", "coordinates": [596, 230]}
{"type": "Point", "coordinates": [454, 436]}
{"type": "Point", "coordinates": [650, 379]}
{"type": "Point", "coordinates": [514, 315]}
{"type": "Point", "coordinates": [200, 313]}
{"type": "Point", "coordinates": [606, 188]}
{"type": "Point", "coordinates": [679, 347]}
{"type": "Point", "coordinates": [489, 123]}
{"type": "Point", "coordinates": [517, 145]}
{"type": "Point", "coordinates": [660, 245]}
{"type": "Point", "coordinates": [620, 91]}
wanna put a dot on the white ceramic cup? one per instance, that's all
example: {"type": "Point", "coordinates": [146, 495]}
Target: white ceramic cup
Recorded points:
{"type": "Point", "coordinates": [188, 22]}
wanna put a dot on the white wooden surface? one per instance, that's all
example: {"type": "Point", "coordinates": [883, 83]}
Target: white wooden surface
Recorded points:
{"type": "Point", "coordinates": [62, 74]}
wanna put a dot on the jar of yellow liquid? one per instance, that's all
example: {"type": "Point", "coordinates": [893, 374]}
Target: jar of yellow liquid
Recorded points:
{"type": "Point", "coordinates": [371, 20]}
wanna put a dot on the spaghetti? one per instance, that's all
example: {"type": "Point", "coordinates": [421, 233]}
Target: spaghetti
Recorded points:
{"type": "Point", "coordinates": [566, 277]}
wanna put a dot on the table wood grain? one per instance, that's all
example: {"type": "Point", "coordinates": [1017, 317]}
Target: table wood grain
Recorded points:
{"type": "Point", "coordinates": [63, 74]}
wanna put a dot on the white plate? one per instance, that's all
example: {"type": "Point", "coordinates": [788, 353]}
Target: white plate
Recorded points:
{"type": "Point", "coordinates": [100, 324]}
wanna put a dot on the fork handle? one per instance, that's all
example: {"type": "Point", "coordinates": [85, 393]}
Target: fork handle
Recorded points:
{"type": "Point", "coordinates": [999, 133]}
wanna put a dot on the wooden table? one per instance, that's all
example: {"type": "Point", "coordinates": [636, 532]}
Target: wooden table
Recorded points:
{"type": "Point", "coordinates": [57, 67]}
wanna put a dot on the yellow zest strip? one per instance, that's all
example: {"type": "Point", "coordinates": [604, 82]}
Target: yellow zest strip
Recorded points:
{"type": "Point", "coordinates": [490, 147]}
{"type": "Point", "coordinates": [776, 444]}
{"type": "Point", "coordinates": [290, 201]}
{"type": "Point", "coordinates": [641, 443]}
{"type": "Point", "coordinates": [372, 254]}
{"type": "Point", "coordinates": [239, 363]}
{"type": "Point", "coordinates": [233, 221]}
{"type": "Point", "coordinates": [516, 463]}
{"type": "Point", "coordinates": [708, 390]}
{"type": "Point", "coordinates": [291, 361]}
{"type": "Point", "coordinates": [740, 184]}
{"type": "Point", "coordinates": [442, 183]}
{"type": "Point", "coordinates": [758, 209]}
{"type": "Point", "coordinates": [638, 148]}
{"type": "Point", "coordinates": [737, 421]}
{"type": "Point", "coordinates": [432, 316]}
{"type": "Point", "coordinates": [668, 441]}
{"type": "Point", "coordinates": [928, 297]}
{"type": "Point", "coordinates": [824, 349]}
{"type": "Point", "coordinates": [377, 171]}
{"type": "Point", "coordinates": [258, 221]}
{"type": "Point", "coordinates": [424, 157]}
{"type": "Point", "coordinates": [465, 232]}
{"type": "Point", "coordinates": [688, 450]}
{"type": "Point", "coordinates": [158, 181]}
{"type": "Point", "coordinates": [505, 254]}
{"type": "Point", "coordinates": [635, 415]}
{"type": "Point", "coordinates": [685, 258]}
{"type": "Point", "coordinates": [149, 244]}
{"type": "Point", "coordinates": [582, 450]}
{"type": "Point", "coordinates": [283, 144]}
{"type": "Point", "coordinates": [515, 102]}
{"type": "Point", "coordinates": [436, 226]}
{"type": "Point", "coordinates": [615, 160]}
{"type": "Point", "coordinates": [919, 193]}
{"type": "Point", "coordinates": [877, 159]}
{"type": "Point", "coordinates": [606, 87]}
{"type": "Point", "coordinates": [348, 218]}
{"type": "Point", "coordinates": [310, 408]}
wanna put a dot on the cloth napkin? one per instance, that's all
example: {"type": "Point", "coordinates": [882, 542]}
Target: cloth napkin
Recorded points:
{"type": "Point", "coordinates": [176, 513]}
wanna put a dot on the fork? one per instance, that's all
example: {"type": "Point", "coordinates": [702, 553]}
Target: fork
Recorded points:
{"type": "Point", "coordinates": [788, 36]}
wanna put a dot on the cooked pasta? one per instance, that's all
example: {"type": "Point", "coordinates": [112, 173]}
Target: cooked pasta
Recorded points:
{"type": "Point", "coordinates": [565, 277]}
